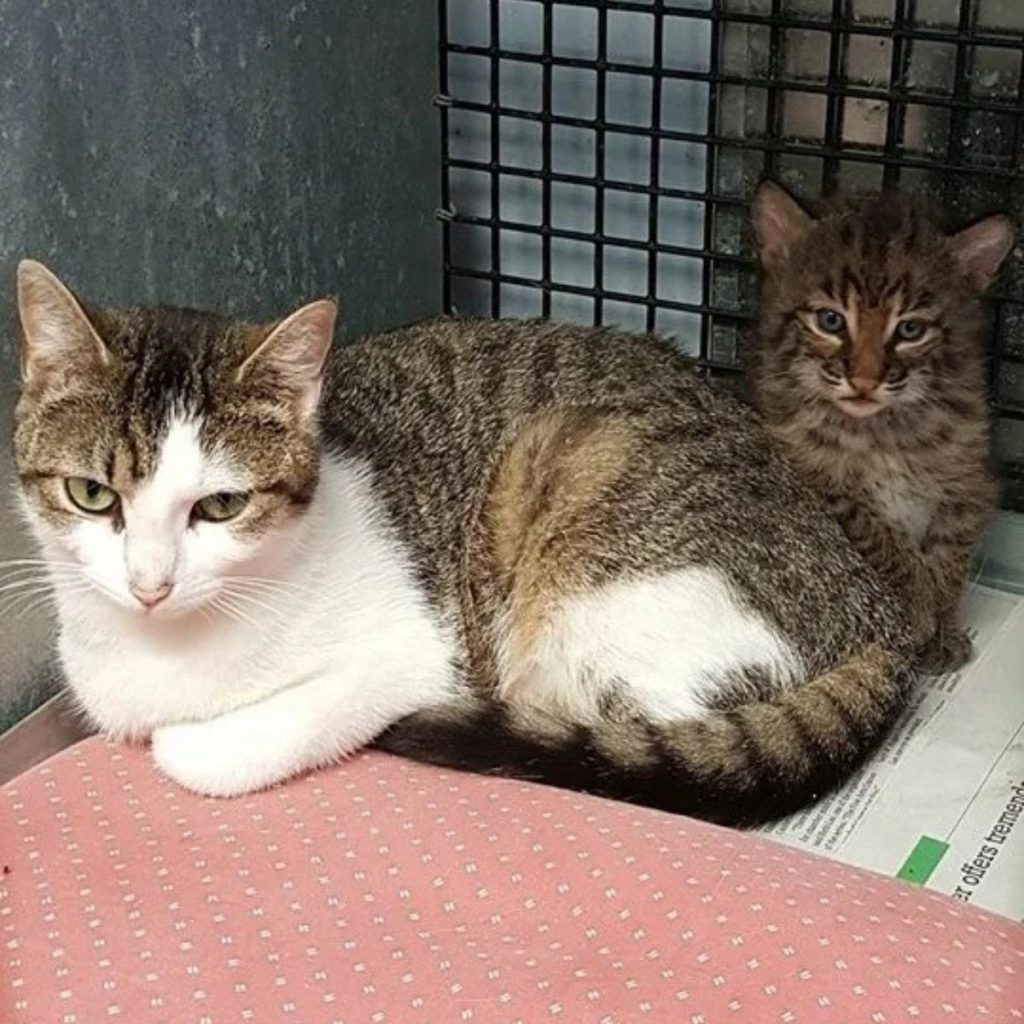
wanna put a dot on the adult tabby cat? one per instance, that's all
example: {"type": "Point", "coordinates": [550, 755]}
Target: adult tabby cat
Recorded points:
{"type": "Point", "coordinates": [533, 549]}
{"type": "Point", "coordinates": [870, 372]}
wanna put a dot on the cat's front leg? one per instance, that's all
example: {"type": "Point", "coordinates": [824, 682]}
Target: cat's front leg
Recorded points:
{"type": "Point", "coordinates": [896, 558]}
{"type": "Point", "coordinates": [948, 549]}
{"type": "Point", "coordinates": [301, 727]}
{"type": "Point", "coordinates": [948, 650]}
{"type": "Point", "coordinates": [238, 752]}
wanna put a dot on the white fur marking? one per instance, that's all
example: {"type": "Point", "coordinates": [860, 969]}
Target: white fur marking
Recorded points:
{"type": "Point", "coordinates": [337, 644]}
{"type": "Point", "coordinates": [668, 640]}
{"type": "Point", "coordinates": [906, 509]}
{"type": "Point", "coordinates": [156, 516]}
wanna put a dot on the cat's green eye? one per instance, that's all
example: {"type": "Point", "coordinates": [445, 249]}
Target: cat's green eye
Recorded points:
{"type": "Point", "coordinates": [90, 495]}
{"type": "Point", "coordinates": [910, 330]}
{"type": "Point", "coordinates": [830, 321]}
{"type": "Point", "coordinates": [219, 508]}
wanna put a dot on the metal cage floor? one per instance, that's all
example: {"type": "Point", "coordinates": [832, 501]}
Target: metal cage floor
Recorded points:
{"type": "Point", "coordinates": [598, 155]}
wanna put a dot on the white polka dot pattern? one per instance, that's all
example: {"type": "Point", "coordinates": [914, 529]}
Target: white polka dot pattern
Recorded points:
{"type": "Point", "coordinates": [387, 892]}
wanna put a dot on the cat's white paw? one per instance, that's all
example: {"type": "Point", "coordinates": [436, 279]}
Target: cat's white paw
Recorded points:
{"type": "Point", "coordinates": [213, 758]}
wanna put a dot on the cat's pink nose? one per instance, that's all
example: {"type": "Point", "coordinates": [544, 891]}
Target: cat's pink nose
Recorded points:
{"type": "Point", "coordinates": [150, 596]}
{"type": "Point", "coordinates": [863, 385]}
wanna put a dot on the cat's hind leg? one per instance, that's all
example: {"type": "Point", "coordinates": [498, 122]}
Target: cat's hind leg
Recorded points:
{"type": "Point", "coordinates": [597, 595]}
{"type": "Point", "coordinates": [666, 643]}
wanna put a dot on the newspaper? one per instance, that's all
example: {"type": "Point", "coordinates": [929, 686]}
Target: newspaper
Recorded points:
{"type": "Point", "coordinates": [941, 804]}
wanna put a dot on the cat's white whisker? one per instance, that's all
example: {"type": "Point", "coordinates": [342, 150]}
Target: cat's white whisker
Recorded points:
{"type": "Point", "coordinates": [215, 604]}
{"type": "Point", "coordinates": [13, 592]}
{"type": "Point", "coordinates": [10, 606]}
{"type": "Point", "coordinates": [13, 587]}
{"type": "Point", "coordinates": [21, 575]}
{"type": "Point", "coordinates": [44, 562]}
{"type": "Point", "coordinates": [95, 584]}
{"type": "Point", "coordinates": [28, 602]}
{"type": "Point", "coordinates": [274, 597]}
{"type": "Point", "coordinates": [278, 614]}
{"type": "Point", "coordinates": [262, 586]}
{"type": "Point", "coordinates": [40, 571]}
{"type": "Point", "coordinates": [268, 581]}
{"type": "Point", "coordinates": [227, 604]}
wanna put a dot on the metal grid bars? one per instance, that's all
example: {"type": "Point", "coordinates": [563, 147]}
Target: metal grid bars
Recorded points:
{"type": "Point", "coordinates": [598, 155]}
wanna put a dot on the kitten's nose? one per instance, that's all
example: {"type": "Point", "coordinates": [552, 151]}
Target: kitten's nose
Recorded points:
{"type": "Point", "coordinates": [863, 385]}
{"type": "Point", "coordinates": [150, 596]}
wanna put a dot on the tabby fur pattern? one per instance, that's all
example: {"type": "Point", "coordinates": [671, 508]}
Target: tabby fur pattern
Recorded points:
{"type": "Point", "coordinates": [870, 372]}
{"type": "Point", "coordinates": [545, 551]}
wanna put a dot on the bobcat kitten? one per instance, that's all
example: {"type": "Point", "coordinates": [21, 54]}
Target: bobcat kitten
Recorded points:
{"type": "Point", "coordinates": [870, 372]}
{"type": "Point", "coordinates": [533, 549]}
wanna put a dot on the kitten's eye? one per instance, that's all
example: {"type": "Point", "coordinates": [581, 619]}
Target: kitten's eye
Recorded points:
{"type": "Point", "coordinates": [830, 321]}
{"type": "Point", "coordinates": [910, 330]}
{"type": "Point", "coordinates": [218, 508]}
{"type": "Point", "coordinates": [90, 495]}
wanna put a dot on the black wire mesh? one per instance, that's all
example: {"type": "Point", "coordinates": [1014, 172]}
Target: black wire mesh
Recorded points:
{"type": "Point", "coordinates": [598, 155]}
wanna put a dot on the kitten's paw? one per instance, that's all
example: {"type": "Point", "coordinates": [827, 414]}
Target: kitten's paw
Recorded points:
{"type": "Point", "coordinates": [924, 626]}
{"type": "Point", "coordinates": [949, 649]}
{"type": "Point", "coordinates": [211, 758]}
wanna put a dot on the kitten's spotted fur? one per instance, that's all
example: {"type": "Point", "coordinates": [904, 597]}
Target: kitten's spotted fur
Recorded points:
{"type": "Point", "coordinates": [526, 548]}
{"type": "Point", "coordinates": [870, 372]}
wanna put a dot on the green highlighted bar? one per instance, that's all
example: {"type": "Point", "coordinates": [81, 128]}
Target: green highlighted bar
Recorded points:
{"type": "Point", "coordinates": [923, 860]}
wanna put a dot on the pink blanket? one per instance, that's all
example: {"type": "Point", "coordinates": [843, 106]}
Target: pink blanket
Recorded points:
{"type": "Point", "coordinates": [387, 892]}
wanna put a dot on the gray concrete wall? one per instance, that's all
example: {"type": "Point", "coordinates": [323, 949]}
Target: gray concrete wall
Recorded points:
{"type": "Point", "coordinates": [242, 155]}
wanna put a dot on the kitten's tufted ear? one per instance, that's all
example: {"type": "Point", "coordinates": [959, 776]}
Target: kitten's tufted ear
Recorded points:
{"type": "Point", "coordinates": [981, 249]}
{"type": "Point", "coordinates": [296, 349]}
{"type": "Point", "coordinates": [779, 224]}
{"type": "Point", "coordinates": [55, 328]}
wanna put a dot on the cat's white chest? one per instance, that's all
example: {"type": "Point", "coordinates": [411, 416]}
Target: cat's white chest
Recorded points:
{"type": "Point", "coordinates": [351, 616]}
{"type": "Point", "coordinates": [906, 508]}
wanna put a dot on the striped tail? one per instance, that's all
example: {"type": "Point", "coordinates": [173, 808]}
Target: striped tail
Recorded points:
{"type": "Point", "coordinates": [741, 766]}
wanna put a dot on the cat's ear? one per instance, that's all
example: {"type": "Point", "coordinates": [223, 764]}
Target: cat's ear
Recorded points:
{"type": "Point", "coordinates": [55, 329]}
{"type": "Point", "coordinates": [296, 349]}
{"type": "Point", "coordinates": [981, 249]}
{"type": "Point", "coordinates": [779, 224]}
